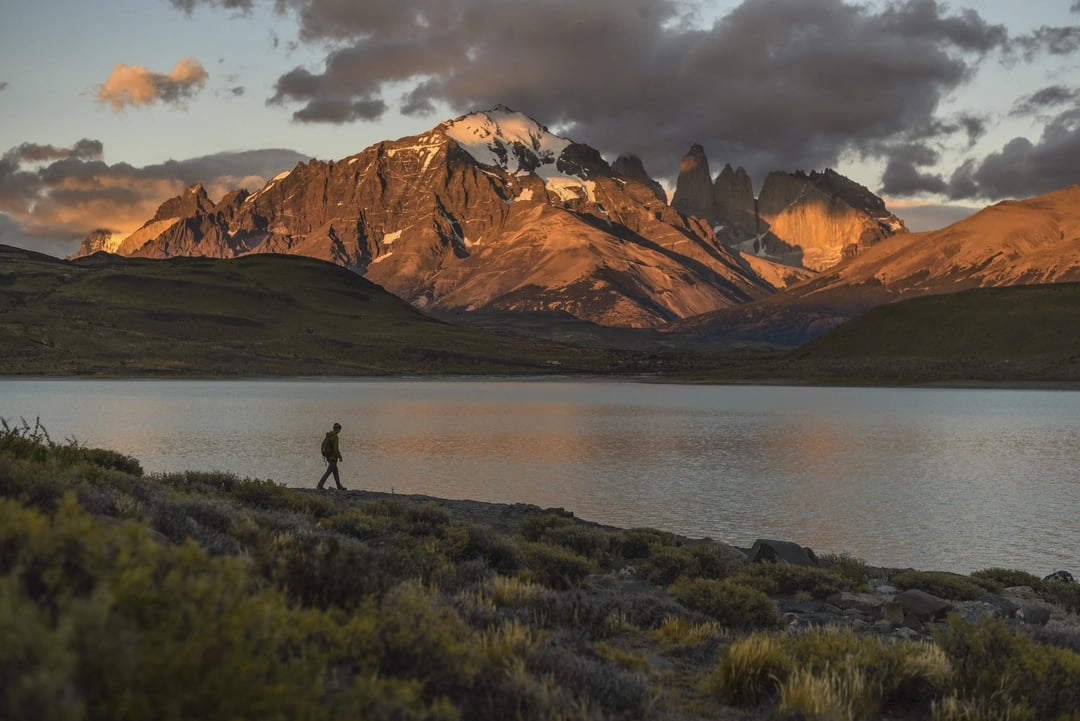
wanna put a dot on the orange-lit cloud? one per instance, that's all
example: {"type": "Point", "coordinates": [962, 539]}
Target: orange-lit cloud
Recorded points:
{"type": "Point", "coordinates": [135, 85]}
{"type": "Point", "coordinates": [51, 198]}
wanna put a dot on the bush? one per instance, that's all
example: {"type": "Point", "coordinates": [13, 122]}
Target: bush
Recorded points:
{"type": "Point", "coordinates": [638, 543]}
{"type": "Point", "coordinates": [734, 606]}
{"type": "Point", "coordinates": [849, 568]}
{"type": "Point", "coordinates": [940, 584]}
{"type": "Point", "coordinates": [828, 673]}
{"type": "Point", "coordinates": [1007, 670]}
{"type": "Point", "coordinates": [556, 567]}
{"type": "Point", "coordinates": [996, 579]}
{"type": "Point", "coordinates": [667, 564]}
{"type": "Point", "coordinates": [749, 670]}
{"type": "Point", "coordinates": [788, 579]}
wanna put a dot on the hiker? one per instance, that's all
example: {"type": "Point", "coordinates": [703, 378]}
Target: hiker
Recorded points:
{"type": "Point", "coordinates": [332, 455]}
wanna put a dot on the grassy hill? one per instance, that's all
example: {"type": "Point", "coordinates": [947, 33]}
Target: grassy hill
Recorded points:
{"type": "Point", "coordinates": [255, 315]}
{"type": "Point", "coordinates": [990, 334]}
{"type": "Point", "coordinates": [275, 315]}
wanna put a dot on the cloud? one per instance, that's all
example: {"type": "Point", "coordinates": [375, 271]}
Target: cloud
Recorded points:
{"type": "Point", "coordinates": [902, 175]}
{"type": "Point", "coordinates": [770, 84]}
{"type": "Point", "coordinates": [4, 85]}
{"type": "Point", "coordinates": [135, 85]}
{"type": "Point", "coordinates": [188, 6]}
{"type": "Point", "coordinates": [1042, 100]}
{"type": "Point", "coordinates": [1052, 40]}
{"type": "Point", "coordinates": [51, 198]}
{"type": "Point", "coordinates": [1022, 168]}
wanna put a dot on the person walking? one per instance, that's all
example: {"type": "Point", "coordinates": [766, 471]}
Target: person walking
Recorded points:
{"type": "Point", "coordinates": [332, 454]}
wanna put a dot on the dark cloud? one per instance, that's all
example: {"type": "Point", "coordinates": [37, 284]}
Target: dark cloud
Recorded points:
{"type": "Point", "coordinates": [188, 6]}
{"type": "Point", "coordinates": [639, 76]}
{"type": "Point", "coordinates": [902, 176]}
{"type": "Point", "coordinates": [770, 84]}
{"type": "Point", "coordinates": [1042, 100]}
{"type": "Point", "coordinates": [1075, 7]}
{"type": "Point", "coordinates": [53, 197]}
{"type": "Point", "coordinates": [1052, 40]}
{"type": "Point", "coordinates": [3, 85]}
{"type": "Point", "coordinates": [1022, 168]}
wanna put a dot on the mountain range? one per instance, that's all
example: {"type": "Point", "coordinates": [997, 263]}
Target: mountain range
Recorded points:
{"type": "Point", "coordinates": [493, 216]}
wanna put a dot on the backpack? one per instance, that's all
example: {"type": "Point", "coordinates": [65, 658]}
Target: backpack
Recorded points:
{"type": "Point", "coordinates": [327, 445]}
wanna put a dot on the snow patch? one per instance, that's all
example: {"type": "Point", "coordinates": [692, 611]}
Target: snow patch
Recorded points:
{"type": "Point", "coordinates": [490, 138]}
{"type": "Point", "coordinates": [525, 194]}
{"type": "Point", "coordinates": [381, 258]}
{"type": "Point", "coordinates": [391, 237]}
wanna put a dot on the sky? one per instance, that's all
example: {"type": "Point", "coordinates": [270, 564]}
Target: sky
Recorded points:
{"type": "Point", "coordinates": [108, 109]}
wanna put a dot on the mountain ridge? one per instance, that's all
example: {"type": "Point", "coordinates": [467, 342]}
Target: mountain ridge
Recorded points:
{"type": "Point", "coordinates": [486, 211]}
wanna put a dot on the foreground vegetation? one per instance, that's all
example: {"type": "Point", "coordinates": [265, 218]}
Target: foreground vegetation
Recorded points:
{"type": "Point", "coordinates": [207, 596]}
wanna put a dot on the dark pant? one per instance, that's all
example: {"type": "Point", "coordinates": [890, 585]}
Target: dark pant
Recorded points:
{"type": "Point", "coordinates": [331, 467]}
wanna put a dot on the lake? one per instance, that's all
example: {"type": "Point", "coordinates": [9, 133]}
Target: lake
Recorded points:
{"type": "Point", "coordinates": [929, 478]}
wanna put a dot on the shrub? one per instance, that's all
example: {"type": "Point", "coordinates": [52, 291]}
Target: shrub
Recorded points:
{"type": "Point", "coordinates": [496, 551]}
{"type": "Point", "coordinates": [1065, 594]}
{"type": "Point", "coordinates": [828, 673]}
{"type": "Point", "coordinates": [938, 583]}
{"type": "Point", "coordinates": [1008, 670]}
{"type": "Point", "coordinates": [749, 670]}
{"type": "Point", "coordinates": [849, 568]}
{"type": "Point", "coordinates": [788, 579]}
{"type": "Point", "coordinates": [667, 564]}
{"type": "Point", "coordinates": [556, 567]}
{"type": "Point", "coordinates": [733, 605]}
{"type": "Point", "coordinates": [533, 528]}
{"type": "Point", "coordinates": [620, 693]}
{"type": "Point", "coordinates": [359, 525]}
{"type": "Point", "coordinates": [638, 543]}
{"type": "Point", "coordinates": [679, 631]}
{"type": "Point", "coordinates": [996, 579]}
{"type": "Point", "coordinates": [272, 496]}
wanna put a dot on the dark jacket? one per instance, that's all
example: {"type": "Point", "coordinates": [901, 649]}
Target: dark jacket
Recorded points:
{"type": "Point", "coordinates": [330, 447]}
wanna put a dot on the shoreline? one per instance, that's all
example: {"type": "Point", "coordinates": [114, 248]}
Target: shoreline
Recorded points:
{"type": "Point", "coordinates": [647, 379]}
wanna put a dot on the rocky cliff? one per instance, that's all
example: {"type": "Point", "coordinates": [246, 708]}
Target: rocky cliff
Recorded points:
{"type": "Point", "coordinates": [810, 221]}
{"type": "Point", "coordinates": [1022, 242]}
{"type": "Point", "coordinates": [487, 211]}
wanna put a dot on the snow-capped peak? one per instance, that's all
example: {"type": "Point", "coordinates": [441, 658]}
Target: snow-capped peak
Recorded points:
{"type": "Point", "coordinates": [506, 139]}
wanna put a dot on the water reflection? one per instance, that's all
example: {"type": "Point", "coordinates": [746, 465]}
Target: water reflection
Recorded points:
{"type": "Point", "coordinates": [934, 479]}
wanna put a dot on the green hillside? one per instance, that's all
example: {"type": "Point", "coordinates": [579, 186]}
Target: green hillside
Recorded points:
{"type": "Point", "coordinates": [1018, 332]}
{"type": "Point", "coordinates": [255, 315]}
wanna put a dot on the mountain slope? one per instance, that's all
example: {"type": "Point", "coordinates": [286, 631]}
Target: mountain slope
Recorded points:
{"type": "Point", "coordinates": [488, 211]}
{"type": "Point", "coordinates": [1011, 243]}
{"type": "Point", "coordinates": [250, 316]}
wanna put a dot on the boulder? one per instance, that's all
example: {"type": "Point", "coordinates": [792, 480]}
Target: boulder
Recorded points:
{"type": "Point", "coordinates": [1060, 577]}
{"type": "Point", "coordinates": [766, 550]}
{"type": "Point", "coordinates": [922, 605]}
{"type": "Point", "coordinates": [1035, 615]}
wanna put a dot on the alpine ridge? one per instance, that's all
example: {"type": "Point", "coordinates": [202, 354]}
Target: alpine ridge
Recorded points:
{"type": "Point", "coordinates": [489, 211]}
{"type": "Point", "coordinates": [811, 221]}
{"type": "Point", "coordinates": [1011, 243]}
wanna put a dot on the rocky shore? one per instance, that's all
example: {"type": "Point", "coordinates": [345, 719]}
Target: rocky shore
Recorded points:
{"type": "Point", "coordinates": [886, 610]}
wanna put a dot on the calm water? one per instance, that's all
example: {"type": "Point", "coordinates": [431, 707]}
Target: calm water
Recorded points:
{"type": "Point", "coordinates": [934, 479]}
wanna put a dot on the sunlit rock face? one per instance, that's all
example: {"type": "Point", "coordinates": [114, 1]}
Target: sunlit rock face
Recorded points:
{"type": "Point", "coordinates": [487, 211]}
{"type": "Point", "coordinates": [694, 186]}
{"type": "Point", "coordinates": [819, 219]}
{"type": "Point", "coordinates": [810, 221]}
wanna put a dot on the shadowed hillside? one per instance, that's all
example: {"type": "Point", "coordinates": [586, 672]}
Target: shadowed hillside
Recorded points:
{"type": "Point", "coordinates": [256, 315]}
{"type": "Point", "coordinates": [986, 334]}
